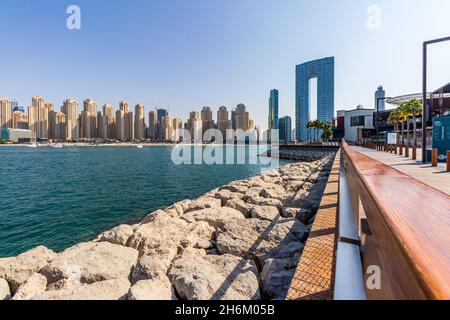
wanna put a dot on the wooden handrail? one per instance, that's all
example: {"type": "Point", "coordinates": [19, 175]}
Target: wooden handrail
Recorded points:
{"type": "Point", "coordinates": [409, 224]}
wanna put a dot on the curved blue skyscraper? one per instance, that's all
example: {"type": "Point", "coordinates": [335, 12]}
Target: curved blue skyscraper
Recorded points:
{"type": "Point", "coordinates": [323, 70]}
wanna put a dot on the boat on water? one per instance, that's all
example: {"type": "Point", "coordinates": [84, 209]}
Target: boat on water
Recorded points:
{"type": "Point", "coordinates": [140, 146]}
{"type": "Point", "coordinates": [58, 146]}
{"type": "Point", "coordinates": [33, 145]}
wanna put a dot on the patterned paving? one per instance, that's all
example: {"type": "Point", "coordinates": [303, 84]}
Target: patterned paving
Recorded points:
{"type": "Point", "coordinates": [313, 279]}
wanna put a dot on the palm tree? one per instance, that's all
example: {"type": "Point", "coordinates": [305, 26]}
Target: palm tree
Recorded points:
{"type": "Point", "coordinates": [326, 126]}
{"type": "Point", "coordinates": [317, 126]}
{"type": "Point", "coordinates": [414, 108]}
{"type": "Point", "coordinates": [309, 126]}
{"type": "Point", "coordinates": [394, 120]}
{"type": "Point", "coordinates": [403, 116]}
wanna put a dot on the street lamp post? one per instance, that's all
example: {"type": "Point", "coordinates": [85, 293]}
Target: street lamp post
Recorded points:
{"type": "Point", "coordinates": [424, 82]}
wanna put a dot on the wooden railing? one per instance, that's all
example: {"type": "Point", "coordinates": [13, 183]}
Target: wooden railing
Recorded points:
{"type": "Point", "coordinates": [404, 227]}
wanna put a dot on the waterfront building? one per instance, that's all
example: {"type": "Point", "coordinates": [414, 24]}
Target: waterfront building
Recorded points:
{"type": "Point", "coordinates": [358, 123]}
{"type": "Point", "coordinates": [90, 107]}
{"type": "Point", "coordinates": [129, 126]}
{"type": "Point", "coordinates": [70, 110]}
{"type": "Point", "coordinates": [273, 110]}
{"type": "Point", "coordinates": [110, 121]}
{"type": "Point", "coordinates": [5, 113]}
{"type": "Point", "coordinates": [123, 106]}
{"type": "Point", "coordinates": [323, 70]}
{"type": "Point", "coordinates": [152, 125]}
{"type": "Point", "coordinates": [120, 125]}
{"type": "Point", "coordinates": [19, 120]}
{"type": "Point", "coordinates": [139, 122]}
{"type": "Point", "coordinates": [207, 119]}
{"type": "Point", "coordinates": [195, 126]}
{"type": "Point", "coordinates": [177, 125]}
{"type": "Point", "coordinates": [223, 121]}
{"type": "Point", "coordinates": [166, 128]}
{"type": "Point", "coordinates": [240, 118]}
{"type": "Point", "coordinates": [380, 95]}
{"type": "Point", "coordinates": [85, 125]}
{"type": "Point", "coordinates": [38, 118]}
{"type": "Point", "coordinates": [285, 127]}
{"type": "Point", "coordinates": [160, 113]}
{"type": "Point", "coordinates": [102, 126]}
{"type": "Point", "coordinates": [59, 131]}
{"type": "Point", "coordinates": [15, 135]}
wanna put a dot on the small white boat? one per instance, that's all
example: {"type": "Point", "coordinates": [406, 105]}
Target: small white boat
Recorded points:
{"type": "Point", "coordinates": [140, 146]}
{"type": "Point", "coordinates": [58, 146]}
{"type": "Point", "coordinates": [33, 145]}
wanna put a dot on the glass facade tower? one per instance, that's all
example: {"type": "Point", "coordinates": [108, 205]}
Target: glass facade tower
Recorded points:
{"type": "Point", "coordinates": [285, 129]}
{"type": "Point", "coordinates": [323, 70]}
{"type": "Point", "coordinates": [273, 110]}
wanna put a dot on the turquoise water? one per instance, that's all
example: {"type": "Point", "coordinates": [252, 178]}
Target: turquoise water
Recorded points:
{"type": "Point", "coordinates": [60, 197]}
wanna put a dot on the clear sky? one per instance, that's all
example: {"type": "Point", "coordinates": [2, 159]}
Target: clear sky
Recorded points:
{"type": "Point", "coordinates": [185, 54]}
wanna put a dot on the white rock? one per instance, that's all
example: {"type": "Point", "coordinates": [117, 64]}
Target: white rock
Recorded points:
{"type": "Point", "coordinates": [259, 240]}
{"type": "Point", "coordinates": [35, 284]}
{"type": "Point", "coordinates": [214, 278]}
{"type": "Point", "coordinates": [241, 206]}
{"type": "Point", "coordinates": [5, 293]}
{"type": "Point", "coordinates": [154, 289]}
{"type": "Point", "coordinates": [153, 266]}
{"type": "Point", "coordinates": [215, 217]}
{"type": "Point", "coordinates": [260, 201]}
{"type": "Point", "coordinates": [265, 213]}
{"type": "Point", "coordinates": [92, 262]}
{"type": "Point", "coordinates": [166, 233]}
{"type": "Point", "coordinates": [116, 289]}
{"type": "Point", "coordinates": [16, 270]}
{"type": "Point", "coordinates": [204, 203]}
{"type": "Point", "coordinates": [118, 235]}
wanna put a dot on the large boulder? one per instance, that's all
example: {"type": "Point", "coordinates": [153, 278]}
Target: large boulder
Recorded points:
{"type": "Point", "coordinates": [16, 270]}
{"type": "Point", "coordinates": [303, 215]}
{"type": "Point", "coordinates": [35, 284]}
{"type": "Point", "coordinates": [5, 293]}
{"type": "Point", "coordinates": [226, 195]}
{"type": "Point", "coordinates": [166, 234]}
{"type": "Point", "coordinates": [265, 213]}
{"type": "Point", "coordinates": [92, 262]}
{"type": "Point", "coordinates": [260, 201]}
{"type": "Point", "coordinates": [178, 208]}
{"type": "Point", "coordinates": [116, 289]}
{"type": "Point", "coordinates": [241, 206]}
{"type": "Point", "coordinates": [154, 289]}
{"type": "Point", "coordinates": [215, 217]}
{"type": "Point", "coordinates": [203, 277]}
{"type": "Point", "coordinates": [259, 240]}
{"type": "Point", "coordinates": [276, 277]}
{"type": "Point", "coordinates": [204, 203]}
{"type": "Point", "coordinates": [118, 235]}
{"type": "Point", "coordinates": [239, 187]}
{"type": "Point", "coordinates": [153, 266]}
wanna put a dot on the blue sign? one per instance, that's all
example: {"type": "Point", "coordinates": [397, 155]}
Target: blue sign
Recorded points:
{"type": "Point", "coordinates": [441, 137]}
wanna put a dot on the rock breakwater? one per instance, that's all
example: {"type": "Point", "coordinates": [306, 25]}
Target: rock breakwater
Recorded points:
{"type": "Point", "coordinates": [240, 241]}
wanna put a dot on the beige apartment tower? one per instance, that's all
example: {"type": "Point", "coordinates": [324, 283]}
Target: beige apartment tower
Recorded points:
{"type": "Point", "coordinates": [5, 113]}
{"type": "Point", "coordinates": [139, 122]}
{"type": "Point", "coordinates": [70, 110]}
{"type": "Point", "coordinates": [152, 125]}
{"type": "Point", "coordinates": [38, 118]}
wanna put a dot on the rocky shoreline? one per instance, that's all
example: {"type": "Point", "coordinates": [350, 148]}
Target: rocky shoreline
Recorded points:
{"type": "Point", "coordinates": [241, 241]}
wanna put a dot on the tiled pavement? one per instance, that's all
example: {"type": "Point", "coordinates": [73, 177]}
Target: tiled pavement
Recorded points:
{"type": "Point", "coordinates": [313, 279]}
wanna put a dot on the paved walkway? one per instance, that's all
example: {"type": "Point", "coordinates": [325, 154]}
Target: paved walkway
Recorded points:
{"type": "Point", "coordinates": [435, 177]}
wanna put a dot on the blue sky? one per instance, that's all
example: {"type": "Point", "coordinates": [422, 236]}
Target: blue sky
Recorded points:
{"type": "Point", "coordinates": [185, 54]}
